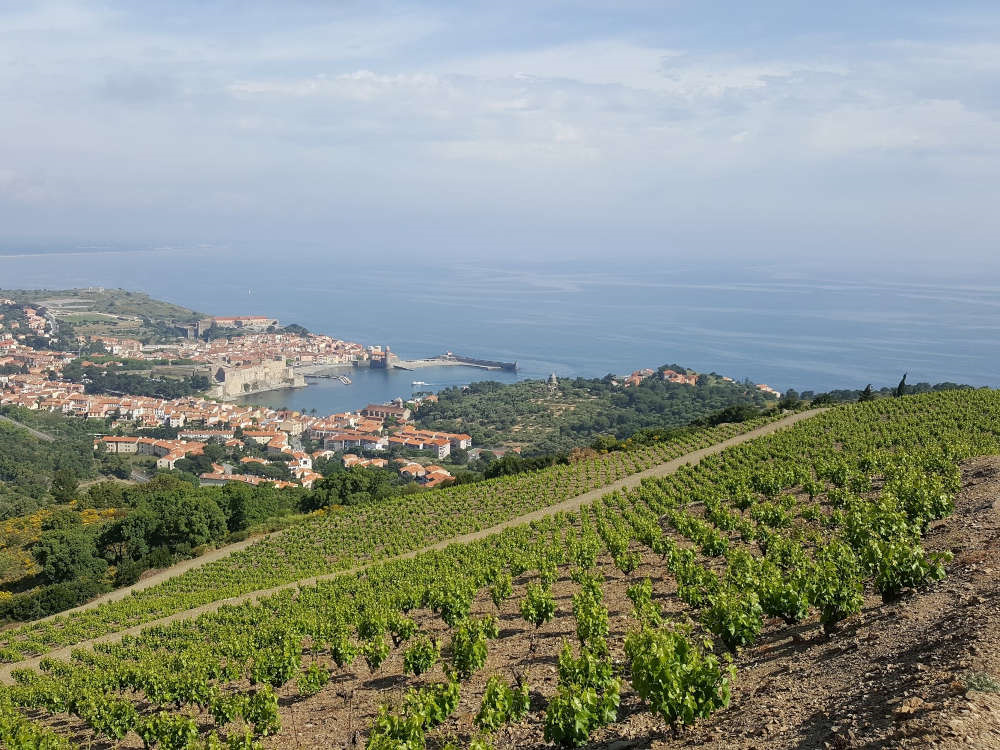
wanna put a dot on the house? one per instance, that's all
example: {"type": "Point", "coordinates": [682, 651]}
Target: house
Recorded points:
{"type": "Point", "coordinates": [307, 478]}
{"type": "Point", "coordinates": [681, 378]}
{"type": "Point", "coordinates": [434, 478]}
{"type": "Point", "coordinates": [300, 460]}
{"type": "Point", "coordinates": [441, 447]}
{"type": "Point", "coordinates": [262, 437]}
{"type": "Point", "coordinates": [344, 440]}
{"type": "Point", "coordinates": [205, 435]}
{"type": "Point", "coordinates": [457, 440]}
{"type": "Point", "coordinates": [386, 411]}
{"type": "Point", "coordinates": [214, 478]}
{"type": "Point", "coordinates": [412, 471]}
{"type": "Point", "coordinates": [252, 322]}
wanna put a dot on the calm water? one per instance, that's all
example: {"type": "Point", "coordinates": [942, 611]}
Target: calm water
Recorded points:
{"type": "Point", "coordinates": [786, 327]}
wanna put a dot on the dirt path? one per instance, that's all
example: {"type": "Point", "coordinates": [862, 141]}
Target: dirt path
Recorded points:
{"type": "Point", "coordinates": [574, 503]}
{"type": "Point", "coordinates": [163, 575]}
{"type": "Point", "coordinates": [40, 435]}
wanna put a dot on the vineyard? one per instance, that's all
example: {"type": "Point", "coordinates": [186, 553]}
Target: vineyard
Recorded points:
{"type": "Point", "coordinates": [352, 536]}
{"type": "Point", "coordinates": [549, 632]}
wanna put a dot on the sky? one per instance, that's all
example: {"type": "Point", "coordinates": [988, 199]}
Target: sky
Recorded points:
{"type": "Point", "coordinates": [621, 129]}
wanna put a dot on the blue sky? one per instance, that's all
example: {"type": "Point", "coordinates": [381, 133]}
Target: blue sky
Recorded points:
{"type": "Point", "coordinates": [657, 130]}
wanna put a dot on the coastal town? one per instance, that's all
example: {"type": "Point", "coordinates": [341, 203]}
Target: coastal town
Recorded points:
{"type": "Point", "coordinates": [251, 437]}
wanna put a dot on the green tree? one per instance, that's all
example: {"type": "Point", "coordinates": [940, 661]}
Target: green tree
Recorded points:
{"type": "Point", "coordinates": [129, 538]}
{"type": "Point", "coordinates": [192, 519]}
{"type": "Point", "coordinates": [64, 485]}
{"type": "Point", "coordinates": [901, 388]}
{"type": "Point", "coordinates": [355, 486]}
{"type": "Point", "coordinates": [866, 394]}
{"type": "Point", "coordinates": [62, 518]}
{"type": "Point", "coordinates": [68, 555]}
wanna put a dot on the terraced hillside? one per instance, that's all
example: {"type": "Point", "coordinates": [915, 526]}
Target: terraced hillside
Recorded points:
{"type": "Point", "coordinates": [353, 536]}
{"type": "Point", "coordinates": [616, 620]}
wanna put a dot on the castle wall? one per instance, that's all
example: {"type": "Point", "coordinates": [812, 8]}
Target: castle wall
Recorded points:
{"type": "Point", "coordinates": [233, 382]}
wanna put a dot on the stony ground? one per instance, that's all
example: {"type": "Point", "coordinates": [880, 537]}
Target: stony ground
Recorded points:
{"type": "Point", "coordinates": [898, 676]}
{"type": "Point", "coordinates": [919, 673]}
{"type": "Point", "coordinates": [923, 672]}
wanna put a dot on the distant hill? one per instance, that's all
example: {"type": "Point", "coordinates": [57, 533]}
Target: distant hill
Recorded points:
{"type": "Point", "coordinates": [97, 311]}
{"type": "Point", "coordinates": [541, 417]}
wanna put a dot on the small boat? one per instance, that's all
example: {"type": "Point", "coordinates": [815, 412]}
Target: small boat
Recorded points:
{"type": "Point", "coordinates": [419, 382]}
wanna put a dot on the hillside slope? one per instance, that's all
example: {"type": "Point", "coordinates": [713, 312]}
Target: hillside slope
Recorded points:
{"type": "Point", "coordinates": [539, 417]}
{"type": "Point", "coordinates": [810, 554]}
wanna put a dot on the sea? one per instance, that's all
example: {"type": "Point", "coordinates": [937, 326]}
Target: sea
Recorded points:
{"type": "Point", "coordinates": [785, 324]}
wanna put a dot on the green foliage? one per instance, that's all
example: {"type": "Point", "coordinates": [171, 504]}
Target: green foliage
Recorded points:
{"type": "Point", "coordinates": [588, 697]}
{"type": "Point", "coordinates": [68, 554]}
{"type": "Point", "coordinates": [502, 704]}
{"type": "Point", "coordinates": [168, 731]}
{"type": "Point", "coordinates": [109, 715]}
{"type": "Point", "coordinates": [342, 649]}
{"type": "Point", "coordinates": [375, 650]}
{"type": "Point", "coordinates": [641, 596]}
{"type": "Point", "coordinates": [18, 732]}
{"type": "Point", "coordinates": [97, 380]}
{"type": "Point", "coordinates": [401, 628]}
{"type": "Point", "coordinates": [577, 710]}
{"type": "Point", "coordinates": [591, 620]}
{"type": "Point", "coordinates": [278, 661]}
{"type": "Point", "coordinates": [64, 485]}
{"type": "Point", "coordinates": [590, 669]}
{"type": "Point", "coordinates": [785, 596]}
{"type": "Point", "coordinates": [469, 646]}
{"type": "Point", "coordinates": [501, 588]}
{"type": "Point", "coordinates": [433, 704]}
{"type": "Point", "coordinates": [982, 682]}
{"type": "Point", "coordinates": [681, 681]}
{"type": "Point", "coordinates": [261, 711]}
{"type": "Point", "coordinates": [452, 601]}
{"type": "Point", "coordinates": [735, 617]}
{"type": "Point", "coordinates": [837, 589]}
{"type": "Point", "coordinates": [312, 679]}
{"type": "Point", "coordinates": [421, 655]}
{"type": "Point", "coordinates": [396, 731]}
{"type": "Point", "coordinates": [901, 566]}
{"type": "Point", "coordinates": [538, 606]}
{"type": "Point", "coordinates": [357, 485]}
{"type": "Point", "coordinates": [580, 411]}
{"type": "Point", "coordinates": [33, 471]}
{"type": "Point", "coordinates": [422, 709]}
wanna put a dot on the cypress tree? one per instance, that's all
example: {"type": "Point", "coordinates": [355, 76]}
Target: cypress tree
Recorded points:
{"type": "Point", "coordinates": [901, 388]}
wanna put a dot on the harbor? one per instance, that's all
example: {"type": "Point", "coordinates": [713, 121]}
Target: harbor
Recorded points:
{"type": "Point", "coordinates": [328, 394]}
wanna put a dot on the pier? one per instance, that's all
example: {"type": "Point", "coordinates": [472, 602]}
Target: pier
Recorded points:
{"type": "Point", "coordinates": [334, 372]}
{"type": "Point", "coordinates": [449, 359]}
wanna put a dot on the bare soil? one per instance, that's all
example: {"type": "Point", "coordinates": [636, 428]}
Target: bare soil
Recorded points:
{"type": "Point", "coordinates": [897, 676]}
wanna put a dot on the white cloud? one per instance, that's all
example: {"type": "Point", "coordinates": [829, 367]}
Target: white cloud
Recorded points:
{"type": "Point", "coordinates": [392, 110]}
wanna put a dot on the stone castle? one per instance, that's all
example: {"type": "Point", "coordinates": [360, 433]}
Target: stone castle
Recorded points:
{"type": "Point", "coordinates": [230, 382]}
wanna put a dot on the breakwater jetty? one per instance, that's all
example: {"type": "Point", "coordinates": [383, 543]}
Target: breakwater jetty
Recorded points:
{"type": "Point", "coordinates": [449, 359]}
